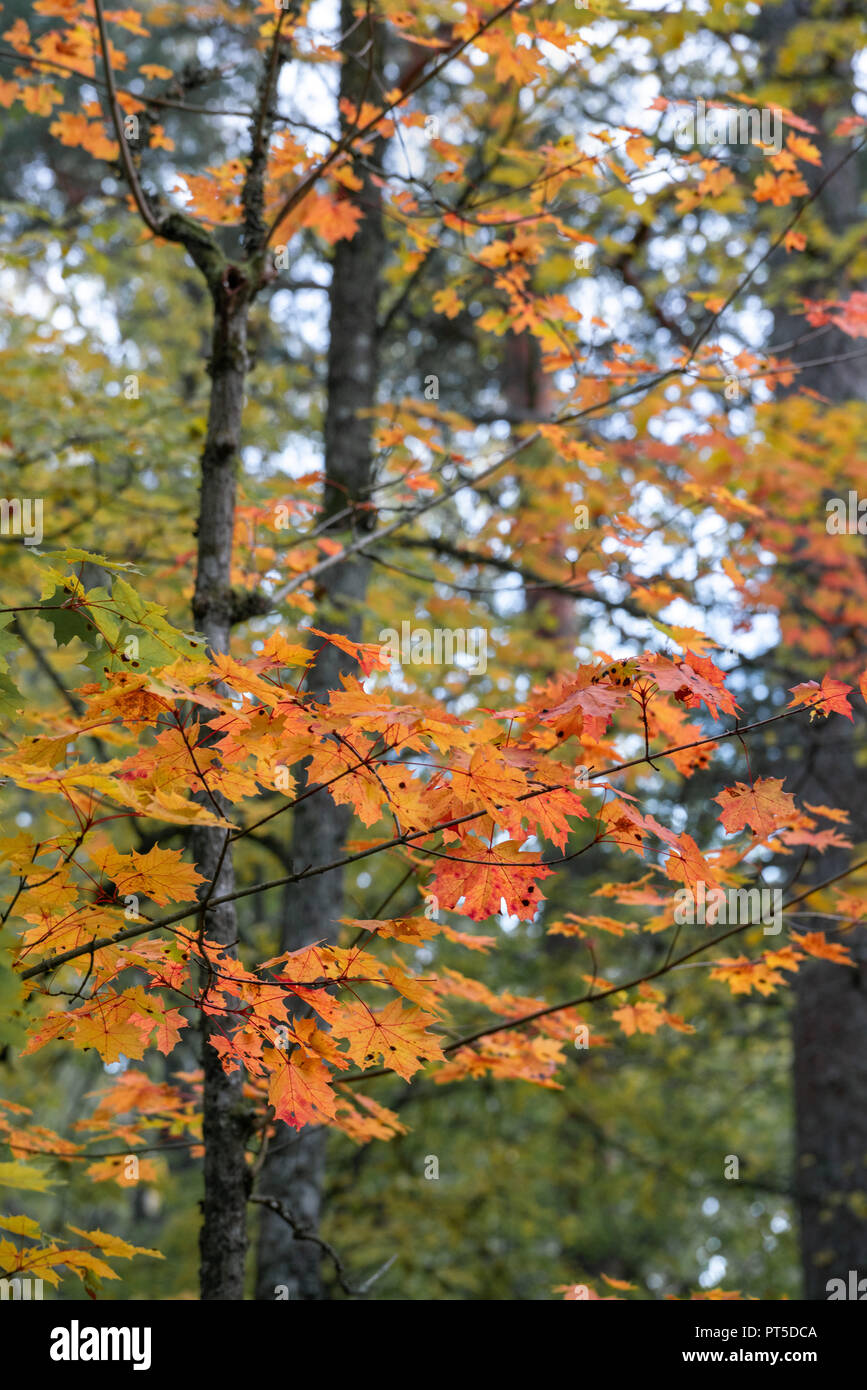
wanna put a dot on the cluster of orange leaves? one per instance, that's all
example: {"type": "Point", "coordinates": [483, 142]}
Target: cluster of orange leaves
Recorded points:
{"type": "Point", "coordinates": [470, 808]}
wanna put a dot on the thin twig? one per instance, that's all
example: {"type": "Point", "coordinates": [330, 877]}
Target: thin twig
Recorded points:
{"type": "Point", "coordinates": [132, 178]}
{"type": "Point", "coordinates": [303, 1233]}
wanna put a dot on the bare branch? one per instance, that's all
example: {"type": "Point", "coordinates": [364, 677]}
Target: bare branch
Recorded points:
{"type": "Point", "coordinates": [132, 178]}
{"type": "Point", "coordinates": [302, 1233]}
{"type": "Point", "coordinates": [592, 998]}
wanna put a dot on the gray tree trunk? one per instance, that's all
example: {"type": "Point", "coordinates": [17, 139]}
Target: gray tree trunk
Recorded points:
{"type": "Point", "coordinates": [223, 1238]}
{"type": "Point", "coordinates": [830, 1015]}
{"type": "Point", "coordinates": [294, 1168]}
{"type": "Point", "coordinates": [226, 1120]}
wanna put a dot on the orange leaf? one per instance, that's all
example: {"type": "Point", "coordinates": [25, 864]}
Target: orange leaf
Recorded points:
{"type": "Point", "coordinates": [764, 806]}
{"type": "Point", "coordinates": [489, 875]}
{"type": "Point", "coordinates": [300, 1090]}
{"type": "Point", "coordinates": [815, 943]}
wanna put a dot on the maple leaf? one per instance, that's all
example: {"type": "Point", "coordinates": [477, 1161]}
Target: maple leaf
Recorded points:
{"type": "Point", "coordinates": [821, 839]}
{"type": "Point", "coordinates": [484, 877]}
{"type": "Point", "coordinates": [639, 1018]}
{"type": "Point", "coordinates": [300, 1089]}
{"type": "Point", "coordinates": [350, 781]}
{"type": "Point", "coordinates": [24, 1176]}
{"type": "Point", "coordinates": [113, 1245]}
{"type": "Point", "coordinates": [850, 314]}
{"type": "Point", "coordinates": [764, 806]}
{"type": "Point", "coordinates": [472, 940]}
{"type": "Point", "coordinates": [816, 944]}
{"type": "Point", "coordinates": [116, 1026]}
{"type": "Point", "coordinates": [625, 827]}
{"type": "Point", "coordinates": [849, 124]}
{"type": "Point", "coordinates": [686, 861]}
{"type": "Point", "coordinates": [396, 1033]}
{"type": "Point", "coordinates": [368, 654]}
{"type": "Point", "coordinates": [743, 975]}
{"type": "Point", "coordinates": [20, 1226]}
{"type": "Point", "coordinates": [835, 813]}
{"type": "Point", "coordinates": [447, 302]}
{"type": "Point", "coordinates": [586, 698]}
{"type": "Point", "coordinates": [413, 930]}
{"type": "Point", "coordinates": [312, 1042]}
{"type": "Point", "coordinates": [489, 781]}
{"type": "Point", "coordinates": [168, 1028]}
{"type": "Point", "coordinates": [115, 1170]}
{"type": "Point", "coordinates": [781, 189]}
{"type": "Point", "coordinates": [695, 679]}
{"type": "Point", "coordinates": [335, 219]}
{"type": "Point", "coordinates": [829, 697]}
{"type": "Point", "coordinates": [549, 816]}
{"type": "Point", "coordinates": [75, 129]}
{"type": "Point", "coordinates": [573, 924]}
{"type": "Point", "coordinates": [512, 1056]}
{"type": "Point", "coordinates": [159, 874]}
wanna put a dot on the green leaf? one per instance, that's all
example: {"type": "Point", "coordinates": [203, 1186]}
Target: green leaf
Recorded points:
{"type": "Point", "coordinates": [74, 557]}
{"type": "Point", "coordinates": [68, 623]}
{"type": "Point", "coordinates": [11, 699]}
{"type": "Point", "coordinates": [12, 1028]}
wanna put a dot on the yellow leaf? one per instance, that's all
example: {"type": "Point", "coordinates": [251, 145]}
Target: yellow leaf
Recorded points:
{"type": "Point", "coordinates": [113, 1245]}
{"type": "Point", "coordinates": [24, 1177]}
{"type": "Point", "coordinates": [21, 1226]}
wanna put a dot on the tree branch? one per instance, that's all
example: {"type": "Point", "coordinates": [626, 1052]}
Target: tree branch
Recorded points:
{"type": "Point", "coordinates": [301, 1233]}
{"type": "Point", "coordinates": [613, 989]}
{"type": "Point", "coordinates": [126, 158]}
{"type": "Point", "coordinates": [398, 841]}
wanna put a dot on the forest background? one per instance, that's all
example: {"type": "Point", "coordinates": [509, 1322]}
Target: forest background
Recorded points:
{"type": "Point", "coordinates": [481, 323]}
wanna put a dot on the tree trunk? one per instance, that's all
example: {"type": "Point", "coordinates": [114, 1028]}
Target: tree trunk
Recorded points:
{"type": "Point", "coordinates": [830, 1015]}
{"type": "Point", "coordinates": [294, 1169]}
{"type": "Point", "coordinates": [223, 1238]}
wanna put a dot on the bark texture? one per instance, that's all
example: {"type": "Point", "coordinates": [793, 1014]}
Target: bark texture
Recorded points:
{"type": "Point", "coordinates": [223, 1238]}
{"type": "Point", "coordinates": [830, 1015]}
{"type": "Point", "coordinates": [295, 1166]}
{"type": "Point", "coordinates": [226, 1121]}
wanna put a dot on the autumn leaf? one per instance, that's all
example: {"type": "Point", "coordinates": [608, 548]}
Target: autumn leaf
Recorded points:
{"type": "Point", "coordinates": [829, 697]}
{"type": "Point", "coordinates": [300, 1090]}
{"type": "Point", "coordinates": [396, 1034]}
{"type": "Point", "coordinates": [694, 680]}
{"type": "Point", "coordinates": [481, 878]}
{"type": "Point", "coordinates": [158, 874]}
{"type": "Point", "coordinates": [816, 944]}
{"type": "Point", "coordinates": [25, 1177]}
{"type": "Point", "coordinates": [639, 1018]}
{"type": "Point", "coordinates": [116, 1026]}
{"type": "Point", "coordinates": [743, 975]}
{"type": "Point", "coordinates": [113, 1245]}
{"type": "Point", "coordinates": [764, 806]}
